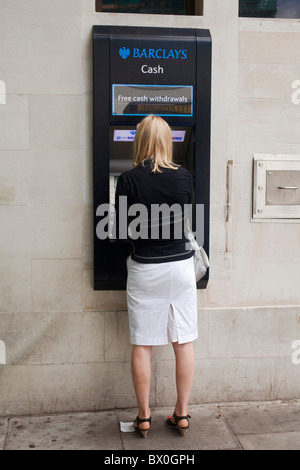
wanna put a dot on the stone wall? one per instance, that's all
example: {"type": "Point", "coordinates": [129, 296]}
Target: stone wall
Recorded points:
{"type": "Point", "coordinates": [63, 345]}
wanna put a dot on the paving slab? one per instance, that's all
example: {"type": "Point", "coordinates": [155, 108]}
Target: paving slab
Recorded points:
{"type": "Point", "coordinates": [271, 441]}
{"type": "Point", "coordinates": [208, 431]}
{"type": "Point", "coordinates": [72, 431]}
{"type": "Point", "coordinates": [3, 431]}
{"type": "Point", "coordinates": [263, 418]}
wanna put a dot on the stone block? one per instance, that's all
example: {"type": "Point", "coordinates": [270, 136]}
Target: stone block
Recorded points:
{"type": "Point", "coordinates": [218, 291]}
{"type": "Point", "coordinates": [54, 177]}
{"type": "Point", "coordinates": [41, 231]}
{"type": "Point", "coordinates": [163, 353]}
{"type": "Point", "coordinates": [233, 379]}
{"type": "Point", "coordinates": [273, 237]}
{"type": "Point", "coordinates": [55, 122]}
{"type": "Point", "coordinates": [16, 235]}
{"type": "Point", "coordinates": [15, 286]}
{"type": "Point", "coordinates": [268, 47]}
{"type": "Point", "coordinates": [37, 65]}
{"type": "Point", "coordinates": [165, 383]}
{"type": "Point", "coordinates": [56, 231]}
{"type": "Point", "coordinates": [53, 338]}
{"type": "Point", "coordinates": [104, 300]}
{"type": "Point", "coordinates": [245, 235]}
{"type": "Point", "coordinates": [257, 332]}
{"type": "Point", "coordinates": [13, 192]}
{"type": "Point", "coordinates": [117, 346]}
{"type": "Point", "coordinates": [87, 145]}
{"type": "Point", "coordinates": [36, 389]}
{"type": "Point", "coordinates": [286, 381]}
{"type": "Point", "coordinates": [262, 282]}
{"type": "Point", "coordinates": [267, 81]}
{"type": "Point", "coordinates": [88, 237]}
{"type": "Point", "coordinates": [14, 127]}
{"type": "Point", "coordinates": [40, 50]}
{"type": "Point", "coordinates": [14, 163]}
{"type": "Point", "coordinates": [218, 239]}
{"type": "Point", "coordinates": [280, 127]}
{"type": "Point", "coordinates": [57, 285]}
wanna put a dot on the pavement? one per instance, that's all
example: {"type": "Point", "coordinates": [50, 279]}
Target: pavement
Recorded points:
{"type": "Point", "coordinates": [273, 425]}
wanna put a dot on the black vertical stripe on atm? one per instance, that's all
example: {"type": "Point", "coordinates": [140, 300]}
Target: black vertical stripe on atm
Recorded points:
{"type": "Point", "coordinates": [203, 112]}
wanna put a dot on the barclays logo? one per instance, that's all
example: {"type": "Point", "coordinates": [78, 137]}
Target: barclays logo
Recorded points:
{"type": "Point", "coordinates": [176, 54]}
{"type": "Point", "coordinates": [124, 52]}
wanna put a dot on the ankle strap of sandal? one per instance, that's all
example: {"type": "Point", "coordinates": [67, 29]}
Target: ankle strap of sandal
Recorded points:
{"type": "Point", "coordinates": [143, 420]}
{"type": "Point", "coordinates": [180, 418]}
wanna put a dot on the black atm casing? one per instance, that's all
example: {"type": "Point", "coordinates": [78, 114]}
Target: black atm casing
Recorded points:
{"type": "Point", "coordinates": [109, 69]}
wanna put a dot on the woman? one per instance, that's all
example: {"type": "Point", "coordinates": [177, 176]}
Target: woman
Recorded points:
{"type": "Point", "coordinates": [161, 287]}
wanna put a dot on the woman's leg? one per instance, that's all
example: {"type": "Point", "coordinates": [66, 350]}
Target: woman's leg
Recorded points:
{"type": "Point", "coordinates": [184, 354]}
{"type": "Point", "coordinates": [141, 376]}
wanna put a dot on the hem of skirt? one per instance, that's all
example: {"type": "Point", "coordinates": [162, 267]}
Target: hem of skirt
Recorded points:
{"type": "Point", "coordinates": [140, 341]}
{"type": "Point", "coordinates": [187, 338]}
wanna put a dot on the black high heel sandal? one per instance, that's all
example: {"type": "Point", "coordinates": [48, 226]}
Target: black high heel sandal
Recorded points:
{"type": "Point", "coordinates": [143, 432]}
{"type": "Point", "coordinates": [182, 429]}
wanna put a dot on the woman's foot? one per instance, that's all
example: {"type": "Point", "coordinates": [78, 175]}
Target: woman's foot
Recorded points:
{"type": "Point", "coordinates": [182, 423]}
{"type": "Point", "coordinates": [142, 425]}
{"type": "Point", "coordinates": [179, 422]}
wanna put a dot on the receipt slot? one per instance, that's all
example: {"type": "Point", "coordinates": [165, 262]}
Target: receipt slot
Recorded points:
{"type": "Point", "coordinates": [141, 71]}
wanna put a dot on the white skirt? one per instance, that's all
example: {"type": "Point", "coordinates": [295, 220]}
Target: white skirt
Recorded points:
{"type": "Point", "coordinates": [162, 302]}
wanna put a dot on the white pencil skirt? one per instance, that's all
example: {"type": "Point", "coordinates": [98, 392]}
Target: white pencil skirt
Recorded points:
{"type": "Point", "coordinates": [162, 302]}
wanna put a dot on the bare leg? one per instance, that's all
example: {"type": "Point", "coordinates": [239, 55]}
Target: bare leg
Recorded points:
{"type": "Point", "coordinates": [141, 376]}
{"type": "Point", "coordinates": [184, 354]}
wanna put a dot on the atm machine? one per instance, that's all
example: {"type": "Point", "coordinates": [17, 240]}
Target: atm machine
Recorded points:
{"type": "Point", "coordinates": [139, 71]}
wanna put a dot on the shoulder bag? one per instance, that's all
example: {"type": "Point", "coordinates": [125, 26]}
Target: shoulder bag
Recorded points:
{"type": "Point", "coordinates": [201, 261]}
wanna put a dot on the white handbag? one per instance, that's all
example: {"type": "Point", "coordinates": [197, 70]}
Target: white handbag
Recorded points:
{"type": "Point", "coordinates": [201, 261]}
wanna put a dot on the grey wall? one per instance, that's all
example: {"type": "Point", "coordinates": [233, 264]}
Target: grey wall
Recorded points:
{"type": "Point", "coordinates": [64, 346]}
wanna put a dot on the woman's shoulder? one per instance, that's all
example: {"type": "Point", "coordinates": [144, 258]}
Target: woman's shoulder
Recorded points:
{"type": "Point", "coordinates": [128, 173]}
{"type": "Point", "coordinates": [183, 172]}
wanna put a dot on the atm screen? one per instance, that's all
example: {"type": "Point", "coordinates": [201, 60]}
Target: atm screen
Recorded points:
{"type": "Point", "coordinates": [121, 148]}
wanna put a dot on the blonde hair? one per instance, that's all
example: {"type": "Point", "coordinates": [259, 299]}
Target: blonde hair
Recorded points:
{"type": "Point", "coordinates": [153, 140]}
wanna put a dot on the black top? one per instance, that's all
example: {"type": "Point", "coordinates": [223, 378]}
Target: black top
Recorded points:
{"type": "Point", "coordinates": [156, 224]}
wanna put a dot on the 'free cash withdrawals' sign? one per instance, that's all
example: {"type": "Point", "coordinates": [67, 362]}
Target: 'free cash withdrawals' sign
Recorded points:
{"type": "Point", "coordinates": [141, 100]}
